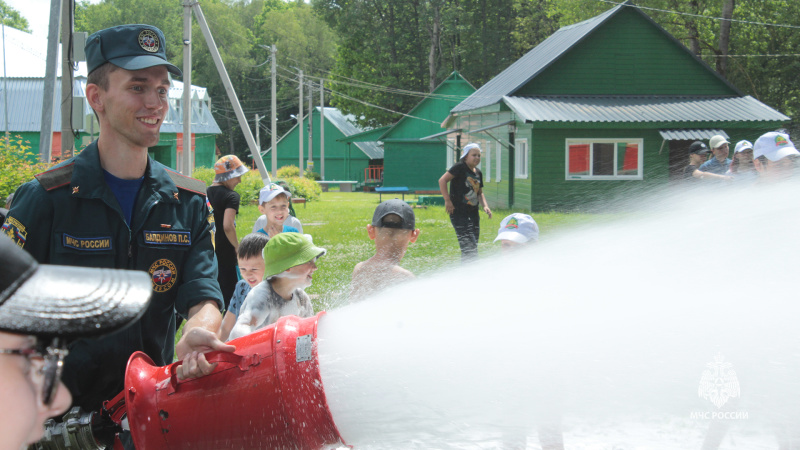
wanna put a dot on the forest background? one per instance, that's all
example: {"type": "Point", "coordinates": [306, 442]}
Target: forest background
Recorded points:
{"type": "Point", "coordinates": [379, 58]}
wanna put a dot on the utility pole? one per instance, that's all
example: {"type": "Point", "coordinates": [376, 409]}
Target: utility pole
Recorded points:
{"type": "Point", "coordinates": [274, 116]}
{"type": "Point", "coordinates": [322, 128]}
{"type": "Point", "coordinates": [300, 125]}
{"type": "Point", "coordinates": [67, 138]}
{"type": "Point", "coordinates": [310, 165]}
{"type": "Point", "coordinates": [46, 135]}
{"type": "Point", "coordinates": [258, 134]}
{"type": "Point", "coordinates": [188, 161]}
{"type": "Point", "coordinates": [226, 81]}
{"type": "Point", "coordinates": [5, 87]}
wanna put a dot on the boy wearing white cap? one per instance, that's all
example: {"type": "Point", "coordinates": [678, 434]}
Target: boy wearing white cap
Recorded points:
{"type": "Point", "coordinates": [392, 229]}
{"type": "Point", "coordinates": [720, 162]}
{"type": "Point", "coordinates": [273, 203]}
{"type": "Point", "coordinates": [744, 167]}
{"type": "Point", "coordinates": [517, 230]}
{"type": "Point", "coordinates": [777, 154]}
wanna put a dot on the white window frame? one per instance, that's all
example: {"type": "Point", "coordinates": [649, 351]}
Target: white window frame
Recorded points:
{"type": "Point", "coordinates": [488, 158]}
{"type": "Point", "coordinates": [591, 141]}
{"type": "Point", "coordinates": [499, 163]}
{"type": "Point", "coordinates": [521, 158]}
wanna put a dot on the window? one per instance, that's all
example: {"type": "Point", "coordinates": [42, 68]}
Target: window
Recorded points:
{"type": "Point", "coordinates": [499, 162]}
{"type": "Point", "coordinates": [521, 158]}
{"type": "Point", "coordinates": [488, 157]}
{"type": "Point", "coordinates": [604, 159]}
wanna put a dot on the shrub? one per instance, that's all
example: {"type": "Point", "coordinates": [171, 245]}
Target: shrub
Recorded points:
{"type": "Point", "coordinates": [288, 172]}
{"type": "Point", "coordinates": [304, 187]}
{"type": "Point", "coordinates": [204, 174]}
{"type": "Point", "coordinates": [15, 165]}
{"type": "Point", "coordinates": [247, 189]}
{"type": "Point", "coordinates": [312, 175]}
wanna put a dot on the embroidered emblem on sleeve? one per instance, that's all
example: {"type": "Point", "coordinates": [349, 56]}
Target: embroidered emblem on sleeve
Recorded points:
{"type": "Point", "coordinates": [163, 273]}
{"type": "Point", "coordinates": [15, 230]}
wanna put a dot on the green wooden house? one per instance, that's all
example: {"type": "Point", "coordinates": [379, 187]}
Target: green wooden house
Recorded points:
{"type": "Point", "coordinates": [601, 109]}
{"type": "Point", "coordinates": [415, 163]}
{"type": "Point", "coordinates": [345, 160]}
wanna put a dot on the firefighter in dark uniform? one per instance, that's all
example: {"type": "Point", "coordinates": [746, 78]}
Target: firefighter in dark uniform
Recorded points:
{"type": "Point", "coordinates": [114, 206]}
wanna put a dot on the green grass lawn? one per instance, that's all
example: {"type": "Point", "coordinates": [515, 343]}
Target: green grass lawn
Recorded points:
{"type": "Point", "coordinates": [338, 223]}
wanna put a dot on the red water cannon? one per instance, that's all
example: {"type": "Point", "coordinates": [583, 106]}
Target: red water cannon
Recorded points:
{"type": "Point", "coordinates": [266, 395]}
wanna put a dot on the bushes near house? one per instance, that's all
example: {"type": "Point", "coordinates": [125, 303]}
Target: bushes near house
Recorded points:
{"type": "Point", "coordinates": [15, 165]}
{"type": "Point", "coordinates": [288, 172]}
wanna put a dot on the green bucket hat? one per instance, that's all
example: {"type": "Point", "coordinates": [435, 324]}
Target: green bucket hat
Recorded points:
{"type": "Point", "coordinates": [287, 250]}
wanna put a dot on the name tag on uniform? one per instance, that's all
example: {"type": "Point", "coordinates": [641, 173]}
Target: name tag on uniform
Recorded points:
{"type": "Point", "coordinates": [168, 238]}
{"type": "Point", "coordinates": [92, 244]}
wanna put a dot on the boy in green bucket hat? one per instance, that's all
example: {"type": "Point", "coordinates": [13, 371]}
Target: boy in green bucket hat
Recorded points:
{"type": "Point", "coordinates": [289, 264]}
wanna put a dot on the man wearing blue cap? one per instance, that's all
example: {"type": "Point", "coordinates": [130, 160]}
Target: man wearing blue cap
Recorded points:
{"type": "Point", "coordinates": [113, 206]}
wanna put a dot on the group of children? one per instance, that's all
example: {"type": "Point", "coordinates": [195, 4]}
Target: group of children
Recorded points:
{"type": "Point", "coordinates": [277, 261]}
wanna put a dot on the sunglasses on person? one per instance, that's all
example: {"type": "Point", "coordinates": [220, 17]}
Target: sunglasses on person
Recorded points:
{"type": "Point", "coordinates": [53, 356]}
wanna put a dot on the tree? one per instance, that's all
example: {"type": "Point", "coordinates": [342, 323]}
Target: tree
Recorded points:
{"type": "Point", "coordinates": [12, 18]}
{"type": "Point", "coordinates": [303, 41]}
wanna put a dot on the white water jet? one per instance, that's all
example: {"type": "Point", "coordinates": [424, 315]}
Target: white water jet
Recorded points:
{"type": "Point", "coordinates": [603, 332]}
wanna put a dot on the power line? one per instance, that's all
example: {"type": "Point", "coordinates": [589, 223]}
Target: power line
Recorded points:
{"type": "Point", "coordinates": [701, 16]}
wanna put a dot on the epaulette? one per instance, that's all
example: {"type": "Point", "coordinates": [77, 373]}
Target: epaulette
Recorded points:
{"type": "Point", "coordinates": [55, 177]}
{"type": "Point", "coordinates": [187, 183]}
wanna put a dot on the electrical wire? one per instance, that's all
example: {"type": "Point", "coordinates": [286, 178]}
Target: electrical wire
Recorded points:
{"type": "Point", "coordinates": [702, 16]}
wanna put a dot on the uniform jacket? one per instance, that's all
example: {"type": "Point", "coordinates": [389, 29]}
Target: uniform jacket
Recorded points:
{"type": "Point", "coordinates": [69, 216]}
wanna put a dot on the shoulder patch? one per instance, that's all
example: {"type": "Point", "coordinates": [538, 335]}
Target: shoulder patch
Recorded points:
{"type": "Point", "coordinates": [56, 177]}
{"type": "Point", "coordinates": [187, 183]}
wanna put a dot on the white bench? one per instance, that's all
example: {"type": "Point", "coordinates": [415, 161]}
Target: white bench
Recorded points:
{"type": "Point", "coordinates": [344, 186]}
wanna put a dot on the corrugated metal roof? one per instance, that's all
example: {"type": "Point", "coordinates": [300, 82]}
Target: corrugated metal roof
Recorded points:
{"type": "Point", "coordinates": [642, 109]}
{"type": "Point", "coordinates": [346, 124]}
{"type": "Point", "coordinates": [691, 135]}
{"type": "Point", "coordinates": [25, 99]}
{"type": "Point", "coordinates": [532, 63]}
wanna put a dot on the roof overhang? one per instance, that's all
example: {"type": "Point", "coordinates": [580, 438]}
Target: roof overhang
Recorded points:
{"type": "Point", "coordinates": [642, 109]}
{"type": "Point", "coordinates": [691, 134]}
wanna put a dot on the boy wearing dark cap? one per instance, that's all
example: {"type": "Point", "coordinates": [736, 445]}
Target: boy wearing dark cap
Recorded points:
{"type": "Point", "coordinates": [113, 206]}
{"type": "Point", "coordinates": [698, 154]}
{"type": "Point", "coordinates": [392, 229]}
{"type": "Point", "coordinates": [41, 308]}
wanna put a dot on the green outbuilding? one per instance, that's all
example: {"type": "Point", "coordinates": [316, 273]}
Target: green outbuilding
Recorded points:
{"type": "Point", "coordinates": [412, 162]}
{"type": "Point", "coordinates": [344, 159]}
{"type": "Point", "coordinates": [601, 109]}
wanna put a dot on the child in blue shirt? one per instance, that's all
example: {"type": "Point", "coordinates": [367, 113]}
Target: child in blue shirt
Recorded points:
{"type": "Point", "coordinates": [251, 266]}
{"type": "Point", "coordinates": [273, 202]}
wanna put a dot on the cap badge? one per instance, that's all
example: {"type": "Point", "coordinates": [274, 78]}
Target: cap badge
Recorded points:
{"type": "Point", "coordinates": [780, 140]}
{"type": "Point", "coordinates": [512, 223]}
{"type": "Point", "coordinates": [148, 40]}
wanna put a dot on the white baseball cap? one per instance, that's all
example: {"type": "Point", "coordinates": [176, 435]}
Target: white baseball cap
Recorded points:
{"type": "Point", "coordinates": [742, 146]}
{"type": "Point", "coordinates": [717, 141]}
{"type": "Point", "coordinates": [774, 146]}
{"type": "Point", "coordinates": [519, 228]}
{"type": "Point", "coordinates": [469, 147]}
{"type": "Point", "coordinates": [267, 193]}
